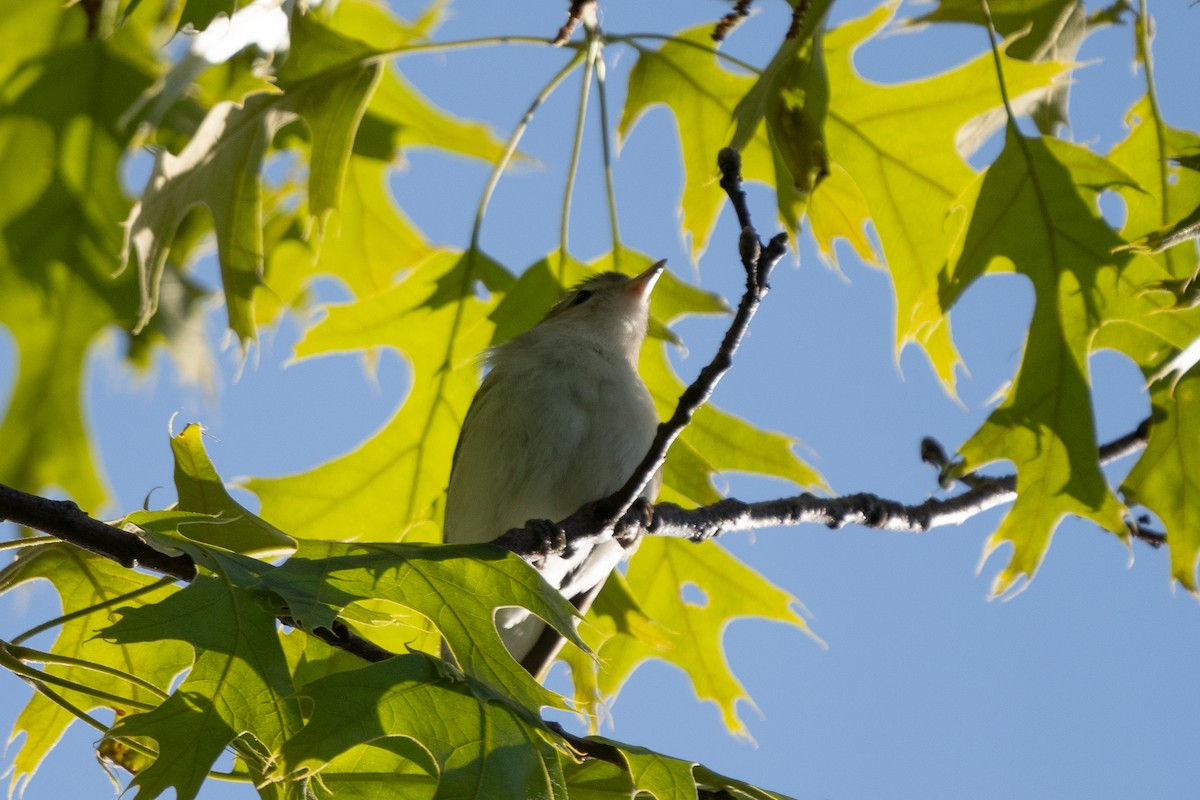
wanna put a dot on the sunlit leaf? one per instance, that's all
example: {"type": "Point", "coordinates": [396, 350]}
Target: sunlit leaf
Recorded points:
{"type": "Point", "coordinates": [1041, 30]}
{"type": "Point", "coordinates": [686, 76]}
{"type": "Point", "coordinates": [475, 748]}
{"type": "Point", "coordinates": [60, 149]}
{"type": "Point", "coordinates": [1166, 479]}
{"type": "Point", "coordinates": [1034, 212]}
{"type": "Point", "coordinates": [434, 318]}
{"type": "Point", "coordinates": [326, 81]}
{"type": "Point", "coordinates": [457, 588]}
{"type": "Point", "coordinates": [898, 143]}
{"type": "Point", "coordinates": [201, 490]}
{"type": "Point", "coordinates": [239, 682]}
{"type": "Point", "coordinates": [88, 587]}
{"type": "Point", "coordinates": [792, 96]}
{"type": "Point", "coordinates": [657, 577]}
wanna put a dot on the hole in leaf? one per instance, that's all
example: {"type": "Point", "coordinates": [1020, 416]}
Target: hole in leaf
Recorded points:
{"type": "Point", "coordinates": [693, 595]}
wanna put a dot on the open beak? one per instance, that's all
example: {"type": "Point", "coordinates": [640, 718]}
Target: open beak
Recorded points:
{"type": "Point", "coordinates": [640, 286]}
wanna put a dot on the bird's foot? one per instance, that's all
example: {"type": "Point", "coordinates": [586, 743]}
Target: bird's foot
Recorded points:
{"type": "Point", "coordinates": [553, 539]}
{"type": "Point", "coordinates": [638, 518]}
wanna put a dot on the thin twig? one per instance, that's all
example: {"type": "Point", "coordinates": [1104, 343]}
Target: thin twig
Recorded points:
{"type": "Point", "coordinates": [728, 22]}
{"type": "Point", "coordinates": [574, 17]}
{"type": "Point", "coordinates": [872, 511]}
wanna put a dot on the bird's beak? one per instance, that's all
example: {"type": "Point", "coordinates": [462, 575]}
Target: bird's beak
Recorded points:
{"type": "Point", "coordinates": [640, 286]}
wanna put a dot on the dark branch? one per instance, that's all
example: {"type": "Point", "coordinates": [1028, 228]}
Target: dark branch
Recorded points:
{"type": "Point", "coordinates": [64, 519]}
{"type": "Point", "coordinates": [865, 509]}
{"type": "Point", "coordinates": [728, 22]}
{"type": "Point", "coordinates": [871, 511]}
{"type": "Point", "coordinates": [596, 521]}
{"type": "Point", "coordinates": [68, 522]}
{"type": "Point", "coordinates": [574, 16]}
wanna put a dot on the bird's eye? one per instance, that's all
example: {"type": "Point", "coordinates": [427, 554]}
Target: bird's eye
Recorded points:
{"type": "Point", "coordinates": [581, 297]}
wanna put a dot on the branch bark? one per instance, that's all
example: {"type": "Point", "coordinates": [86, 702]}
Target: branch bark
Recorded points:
{"type": "Point", "coordinates": [64, 519]}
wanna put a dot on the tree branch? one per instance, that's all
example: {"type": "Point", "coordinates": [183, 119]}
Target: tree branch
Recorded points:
{"type": "Point", "coordinates": [574, 17]}
{"type": "Point", "coordinates": [64, 519]}
{"type": "Point", "coordinates": [865, 509]}
{"type": "Point", "coordinates": [872, 511]}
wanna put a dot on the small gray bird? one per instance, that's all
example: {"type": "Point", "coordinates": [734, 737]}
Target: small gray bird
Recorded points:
{"type": "Point", "coordinates": [561, 419]}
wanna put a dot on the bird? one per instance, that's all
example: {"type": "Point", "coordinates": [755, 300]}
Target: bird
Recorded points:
{"type": "Point", "coordinates": [562, 418]}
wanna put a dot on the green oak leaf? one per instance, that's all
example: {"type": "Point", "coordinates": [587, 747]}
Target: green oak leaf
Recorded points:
{"type": "Point", "coordinates": [1038, 30]}
{"type": "Point", "coordinates": [399, 116]}
{"type": "Point", "coordinates": [1034, 211]}
{"type": "Point", "coordinates": [686, 76]}
{"type": "Point", "coordinates": [435, 319]}
{"type": "Point", "coordinates": [1152, 321]}
{"type": "Point", "coordinates": [1156, 155]}
{"type": "Point", "coordinates": [668, 778]}
{"type": "Point", "coordinates": [326, 81]}
{"type": "Point", "coordinates": [457, 588]}
{"type": "Point", "coordinates": [200, 13]}
{"type": "Point", "coordinates": [367, 244]}
{"type": "Point", "coordinates": [60, 150]}
{"type": "Point", "coordinates": [88, 587]}
{"type": "Point", "coordinates": [1166, 479]}
{"type": "Point", "coordinates": [201, 490]}
{"type": "Point", "coordinates": [615, 612]}
{"type": "Point", "coordinates": [898, 144]}
{"type": "Point", "coordinates": [656, 577]}
{"type": "Point", "coordinates": [474, 745]}
{"type": "Point", "coordinates": [792, 95]}
{"type": "Point", "coordinates": [238, 689]}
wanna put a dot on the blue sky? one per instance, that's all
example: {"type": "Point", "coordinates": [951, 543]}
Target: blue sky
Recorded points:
{"type": "Point", "coordinates": [1082, 686]}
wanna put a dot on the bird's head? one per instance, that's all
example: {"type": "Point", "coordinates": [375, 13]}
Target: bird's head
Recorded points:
{"type": "Point", "coordinates": [608, 307]}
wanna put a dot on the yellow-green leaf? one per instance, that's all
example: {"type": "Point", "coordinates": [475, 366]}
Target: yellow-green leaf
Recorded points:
{"type": "Point", "coordinates": [686, 76]}
{"type": "Point", "coordinates": [658, 576]}
{"type": "Point", "coordinates": [239, 682]}
{"type": "Point", "coordinates": [1166, 479]}
{"type": "Point", "coordinates": [60, 151]}
{"type": "Point", "coordinates": [1034, 212]}
{"type": "Point", "coordinates": [473, 746]}
{"type": "Point", "coordinates": [390, 484]}
{"type": "Point", "coordinates": [458, 588]}
{"type": "Point", "coordinates": [201, 490]}
{"type": "Point", "coordinates": [897, 142]}
{"type": "Point", "coordinates": [88, 586]}
{"type": "Point", "coordinates": [326, 81]}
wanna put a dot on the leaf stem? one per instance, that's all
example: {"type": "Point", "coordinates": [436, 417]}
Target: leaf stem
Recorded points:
{"type": "Point", "coordinates": [594, 45]}
{"type": "Point", "coordinates": [28, 541]}
{"type": "Point", "coordinates": [514, 139]}
{"type": "Point", "coordinates": [992, 36]}
{"type": "Point", "coordinates": [460, 44]}
{"type": "Point", "coordinates": [606, 156]}
{"type": "Point", "coordinates": [39, 678]}
{"type": "Point", "coordinates": [83, 612]}
{"type": "Point", "coordinates": [29, 655]}
{"type": "Point", "coordinates": [1141, 30]}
